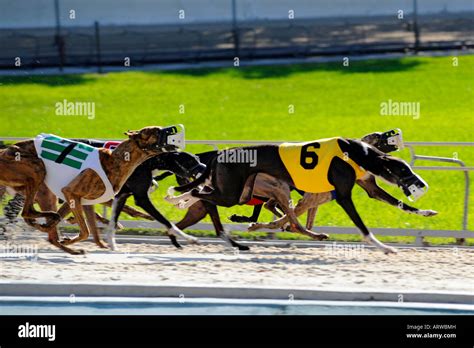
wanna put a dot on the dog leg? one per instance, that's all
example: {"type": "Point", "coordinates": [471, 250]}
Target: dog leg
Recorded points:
{"type": "Point", "coordinates": [271, 205]}
{"type": "Point", "coordinates": [92, 225]}
{"type": "Point", "coordinates": [74, 202]}
{"type": "Point", "coordinates": [130, 211]}
{"type": "Point", "coordinates": [183, 201]}
{"type": "Point", "coordinates": [241, 218]}
{"type": "Point", "coordinates": [143, 201]}
{"type": "Point", "coordinates": [374, 191]}
{"type": "Point", "coordinates": [53, 235]}
{"type": "Point", "coordinates": [29, 213]}
{"type": "Point", "coordinates": [311, 217]}
{"type": "Point", "coordinates": [349, 208]}
{"type": "Point", "coordinates": [309, 200]}
{"type": "Point", "coordinates": [195, 213]}
{"type": "Point", "coordinates": [220, 231]}
{"type": "Point", "coordinates": [280, 192]}
{"type": "Point", "coordinates": [118, 204]}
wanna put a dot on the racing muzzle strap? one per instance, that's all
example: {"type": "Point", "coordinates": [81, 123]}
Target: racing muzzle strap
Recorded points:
{"type": "Point", "coordinates": [173, 136]}
{"type": "Point", "coordinates": [413, 187]}
{"type": "Point", "coordinates": [391, 141]}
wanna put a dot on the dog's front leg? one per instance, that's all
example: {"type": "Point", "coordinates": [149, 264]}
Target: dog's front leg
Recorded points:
{"type": "Point", "coordinates": [374, 191]}
{"type": "Point", "coordinates": [118, 204]}
{"type": "Point", "coordinates": [92, 225]}
{"type": "Point", "coordinates": [73, 194]}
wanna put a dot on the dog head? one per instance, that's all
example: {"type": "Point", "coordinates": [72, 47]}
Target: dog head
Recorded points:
{"type": "Point", "coordinates": [389, 141]}
{"type": "Point", "coordinates": [398, 172]}
{"type": "Point", "coordinates": [183, 164]}
{"type": "Point", "coordinates": [157, 139]}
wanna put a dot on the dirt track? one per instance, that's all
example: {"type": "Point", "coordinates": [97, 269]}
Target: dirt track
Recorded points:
{"type": "Point", "coordinates": [448, 269]}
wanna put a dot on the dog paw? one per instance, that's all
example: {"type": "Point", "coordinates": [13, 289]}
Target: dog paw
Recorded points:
{"type": "Point", "coordinates": [77, 252]}
{"type": "Point", "coordinates": [322, 236]}
{"type": "Point", "coordinates": [253, 226]}
{"type": "Point", "coordinates": [193, 240]}
{"type": "Point", "coordinates": [389, 250]}
{"type": "Point", "coordinates": [238, 218]}
{"type": "Point", "coordinates": [428, 212]}
{"type": "Point", "coordinates": [181, 204]}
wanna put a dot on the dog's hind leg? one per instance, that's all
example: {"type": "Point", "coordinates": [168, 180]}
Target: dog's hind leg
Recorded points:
{"type": "Point", "coordinates": [311, 216]}
{"type": "Point", "coordinates": [281, 193]}
{"type": "Point", "coordinates": [254, 218]}
{"type": "Point", "coordinates": [29, 213]}
{"type": "Point", "coordinates": [271, 205]}
{"type": "Point", "coordinates": [53, 235]}
{"type": "Point", "coordinates": [195, 213]}
{"type": "Point", "coordinates": [220, 231]}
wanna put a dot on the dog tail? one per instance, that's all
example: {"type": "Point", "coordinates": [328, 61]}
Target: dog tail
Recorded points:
{"type": "Point", "coordinates": [195, 183]}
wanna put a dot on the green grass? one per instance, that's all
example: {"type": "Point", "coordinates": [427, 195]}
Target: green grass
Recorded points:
{"type": "Point", "coordinates": [252, 103]}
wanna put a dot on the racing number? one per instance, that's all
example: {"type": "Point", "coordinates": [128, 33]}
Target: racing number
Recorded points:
{"type": "Point", "coordinates": [308, 157]}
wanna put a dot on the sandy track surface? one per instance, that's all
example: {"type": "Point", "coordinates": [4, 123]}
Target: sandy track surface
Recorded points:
{"type": "Point", "coordinates": [430, 269]}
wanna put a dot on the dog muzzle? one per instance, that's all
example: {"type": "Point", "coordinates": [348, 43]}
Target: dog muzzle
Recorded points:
{"type": "Point", "coordinates": [414, 187]}
{"type": "Point", "coordinates": [391, 141]}
{"type": "Point", "coordinates": [197, 171]}
{"type": "Point", "coordinates": [173, 138]}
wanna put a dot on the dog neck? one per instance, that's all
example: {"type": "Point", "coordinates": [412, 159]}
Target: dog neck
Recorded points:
{"type": "Point", "coordinates": [364, 155]}
{"type": "Point", "coordinates": [120, 164]}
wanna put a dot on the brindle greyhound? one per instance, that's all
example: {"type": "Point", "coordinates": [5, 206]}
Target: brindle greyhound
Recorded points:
{"type": "Point", "coordinates": [24, 171]}
{"type": "Point", "coordinates": [228, 184]}
{"type": "Point", "coordinates": [184, 165]}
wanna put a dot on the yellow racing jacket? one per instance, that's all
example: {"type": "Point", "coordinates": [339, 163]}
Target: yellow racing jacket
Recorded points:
{"type": "Point", "coordinates": [308, 163]}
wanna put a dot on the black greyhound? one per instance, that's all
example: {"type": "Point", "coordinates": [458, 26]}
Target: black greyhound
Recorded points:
{"type": "Point", "coordinates": [225, 183]}
{"type": "Point", "coordinates": [184, 165]}
{"type": "Point", "coordinates": [387, 142]}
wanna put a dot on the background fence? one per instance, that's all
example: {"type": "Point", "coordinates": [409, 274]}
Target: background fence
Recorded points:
{"type": "Point", "coordinates": [86, 32]}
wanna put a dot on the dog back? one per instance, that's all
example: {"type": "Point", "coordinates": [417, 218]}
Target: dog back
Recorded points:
{"type": "Point", "coordinates": [308, 163]}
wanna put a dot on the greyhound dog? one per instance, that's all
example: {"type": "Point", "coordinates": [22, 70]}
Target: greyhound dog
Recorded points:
{"type": "Point", "coordinates": [182, 164]}
{"type": "Point", "coordinates": [316, 167]}
{"type": "Point", "coordinates": [387, 142]}
{"type": "Point", "coordinates": [23, 167]}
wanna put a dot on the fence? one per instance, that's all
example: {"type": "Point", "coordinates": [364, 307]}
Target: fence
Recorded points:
{"type": "Point", "coordinates": [105, 33]}
{"type": "Point", "coordinates": [462, 233]}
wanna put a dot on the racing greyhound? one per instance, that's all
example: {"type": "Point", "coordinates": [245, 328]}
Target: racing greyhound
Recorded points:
{"type": "Point", "coordinates": [339, 162]}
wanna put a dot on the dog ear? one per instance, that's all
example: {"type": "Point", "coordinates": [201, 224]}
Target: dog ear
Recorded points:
{"type": "Point", "coordinates": [130, 133]}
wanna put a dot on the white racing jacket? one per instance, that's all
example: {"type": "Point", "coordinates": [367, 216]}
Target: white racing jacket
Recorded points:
{"type": "Point", "coordinates": [65, 159]}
